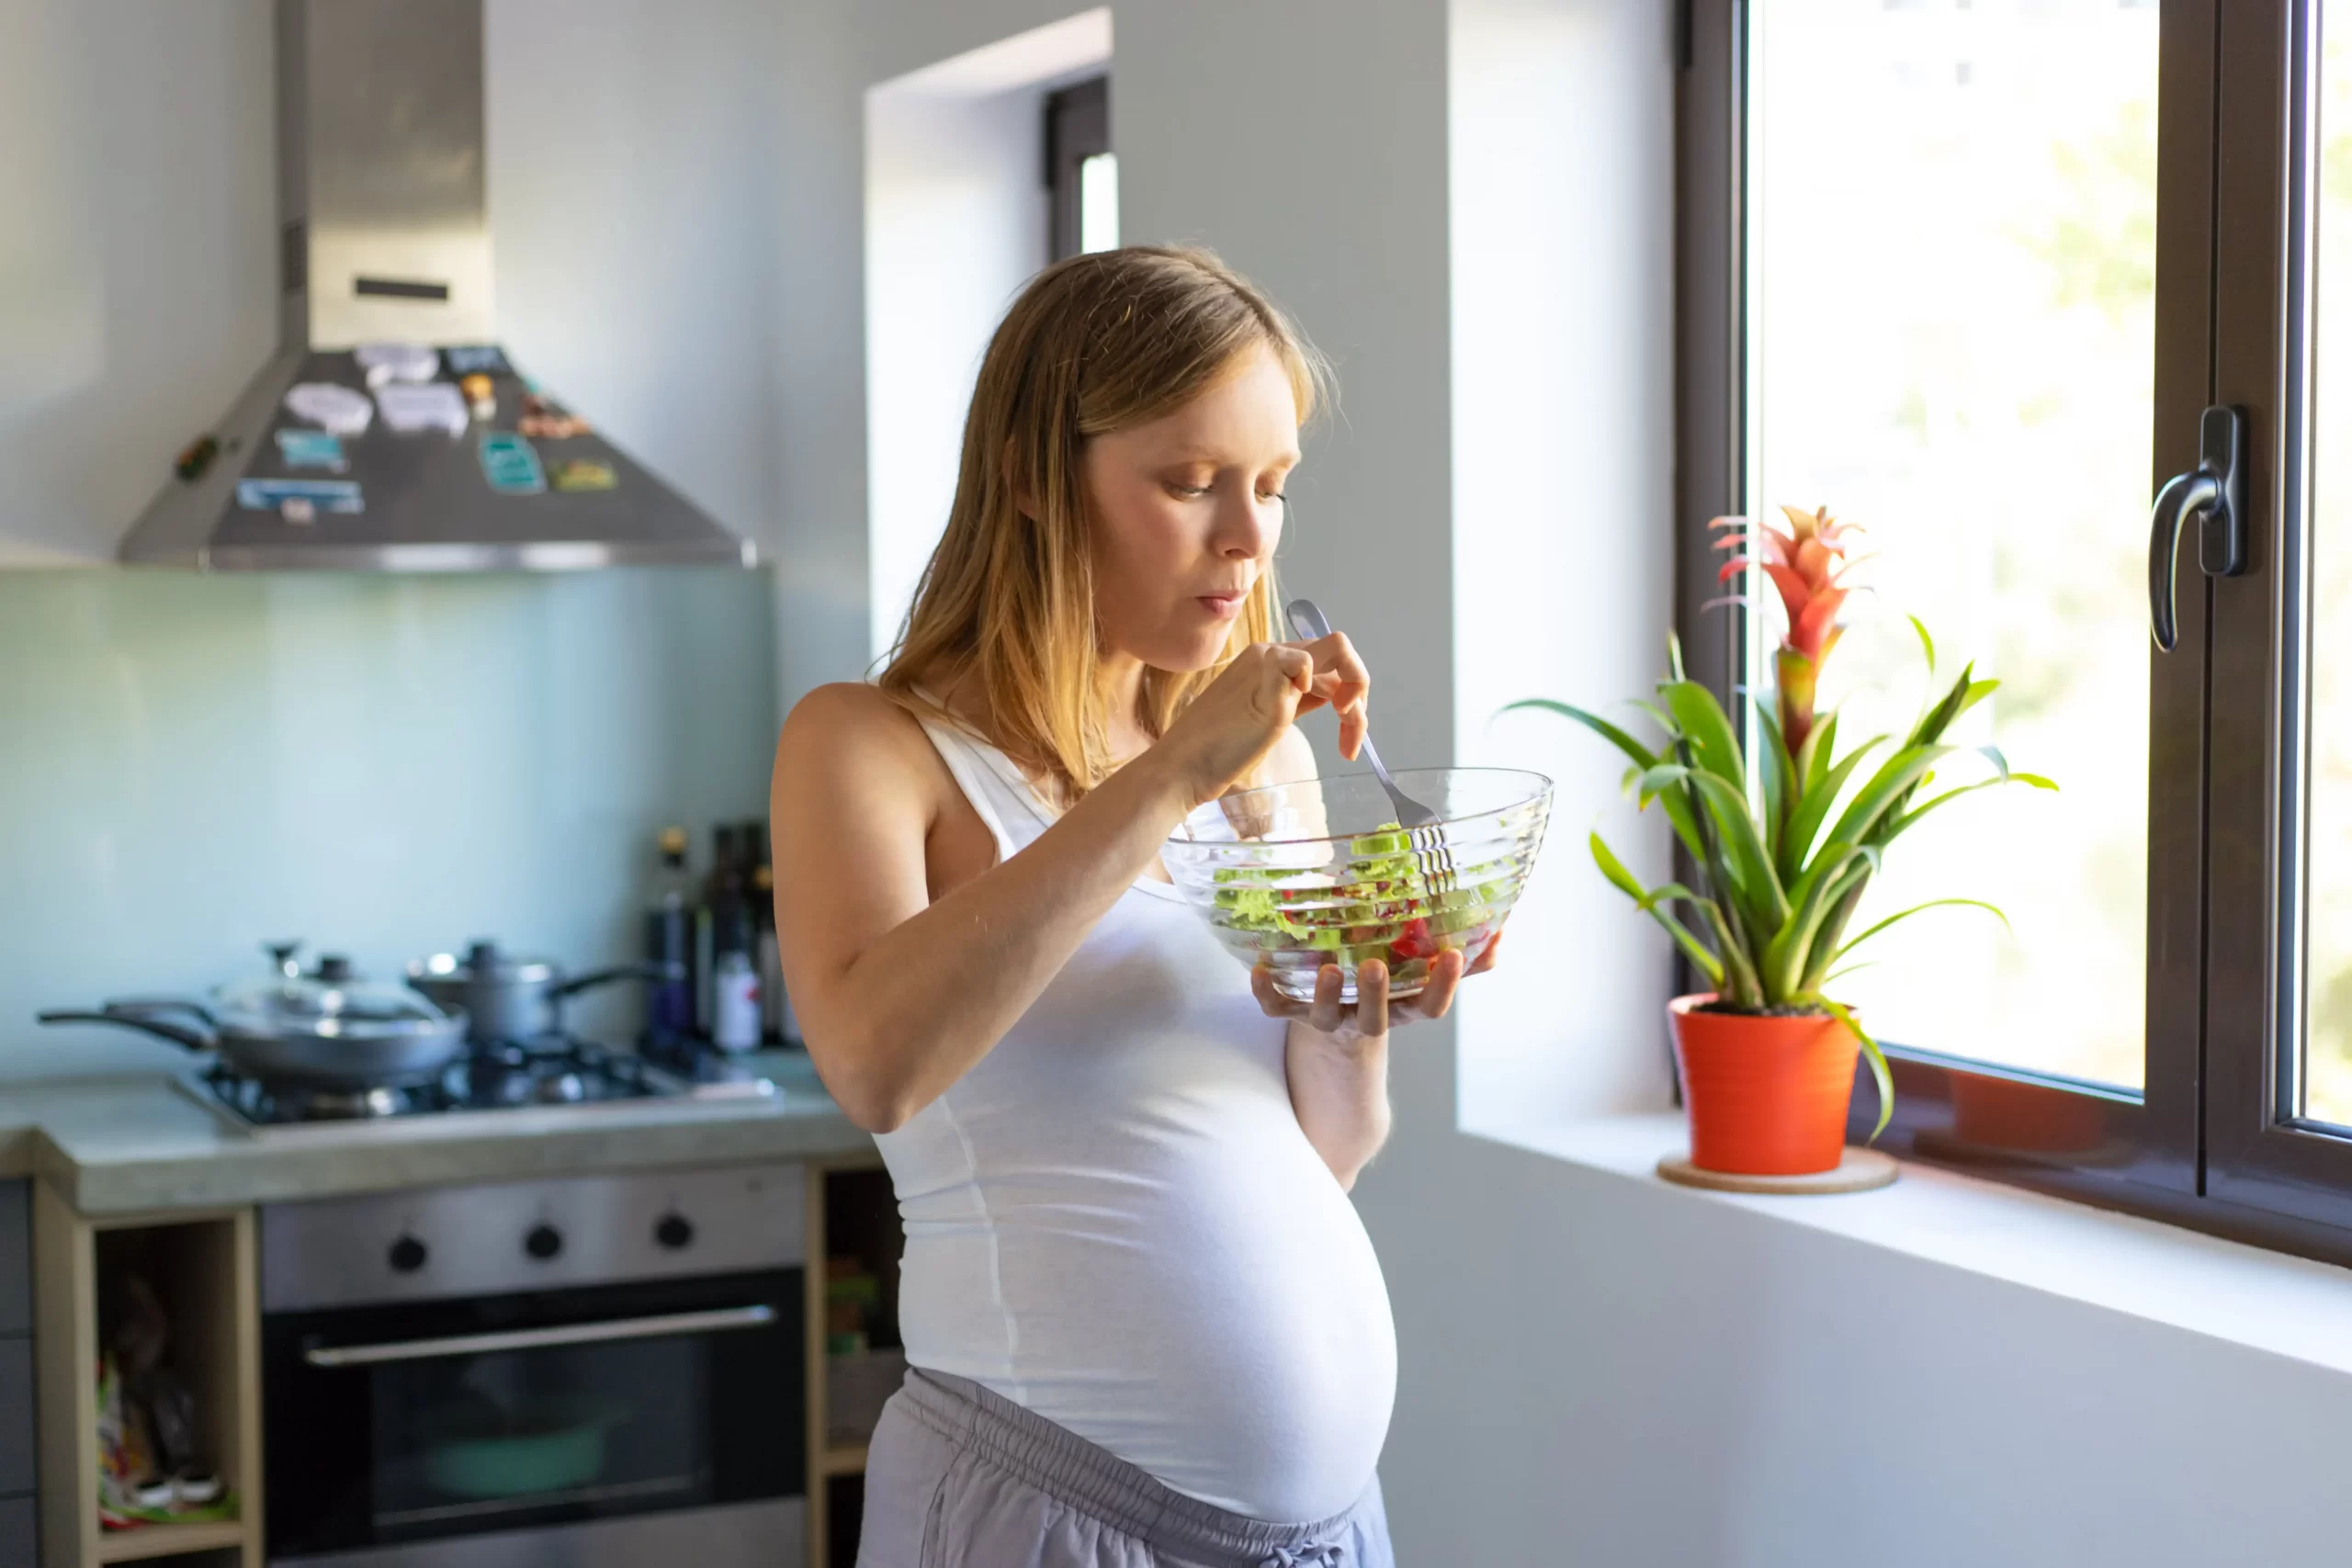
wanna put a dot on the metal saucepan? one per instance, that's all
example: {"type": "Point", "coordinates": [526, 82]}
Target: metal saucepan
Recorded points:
{"type": "Point", "coordinates": [329, 1030]}
{"type": "Point", "coordinates": [511, 998]}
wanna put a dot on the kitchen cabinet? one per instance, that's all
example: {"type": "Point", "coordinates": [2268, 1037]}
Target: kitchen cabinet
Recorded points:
{"type": "Point", "coordinates": [853, 1215]}
{"type": "Point", "coordinates": [200, 1263]}
{"type": "Point", "coordinates": [19, 1533]}
{"type": "Point", "coordinates": [16, 1416]}
{"type": "Point", "coordinates": [15, 1259]}
{"type": "Point", "coordinates": [19, 1526]}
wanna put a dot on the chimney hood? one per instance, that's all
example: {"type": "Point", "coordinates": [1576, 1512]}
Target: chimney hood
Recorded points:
{"type": "Point", "coordinates": [385, 241]}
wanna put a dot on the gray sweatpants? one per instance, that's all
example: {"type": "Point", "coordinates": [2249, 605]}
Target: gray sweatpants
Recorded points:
{"type": "Point", "coordinates": [958, 1476]}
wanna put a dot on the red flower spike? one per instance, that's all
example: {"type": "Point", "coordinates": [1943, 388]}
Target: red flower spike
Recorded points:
{"type": "Point", "coordinates": [1806, 561]}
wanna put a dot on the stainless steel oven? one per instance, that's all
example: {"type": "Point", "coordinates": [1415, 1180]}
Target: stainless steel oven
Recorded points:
{"type": "Point", "coordinates": [577, 1373]}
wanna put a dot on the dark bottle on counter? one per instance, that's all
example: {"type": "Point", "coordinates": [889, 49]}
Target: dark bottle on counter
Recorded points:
{"type": "Point", "coordinates": [722, 921]}
{"type": "Point", "coordinates": [669, 939]}
{"type": "Point", "coordinates": [776, 1007]}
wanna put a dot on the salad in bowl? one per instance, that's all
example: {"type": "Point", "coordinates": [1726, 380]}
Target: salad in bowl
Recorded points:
{"type": "Point", "coordinates": [1295, 877]}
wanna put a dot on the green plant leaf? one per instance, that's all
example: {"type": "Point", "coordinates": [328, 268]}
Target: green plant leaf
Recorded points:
{"type": "Point", "coordinates": [1846, 897]}
{"type": "Point", "coordinates": [1915, 909]}
{"type": "Point", "coordinates": [1903, 823]}
{"type": "Point", "coordinates": [1926, 642]}
{"type": "Point", "coordinates": [1789, 955]}
{"type": "Point", "coordinates": [1642, 755]}
{"type": "Point", "coordinates": [1649, 901]}
{"type": "Point", "coordinates": [1899, 773]}
{"type": "Point", "coordinates": [1819, 750]}
{"type": "Point", "coordinates": [1704, 724]}
{"type": "Point", "coordinates": [1937, 719]}
{"type": "Point", "coordinates": [1871, 1052]}
{"type": "Point", "coordinates": [1796, 843]}
{"type": "Point", "coordinates": [1781, 787]}
{"type": "Point", "coordinates": [1738, 983]}
{"type": "Point", "coordinates": [1745, 871]}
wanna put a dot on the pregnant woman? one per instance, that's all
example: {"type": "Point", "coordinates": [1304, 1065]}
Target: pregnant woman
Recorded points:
{"type": "Point", "coordinates": [1144, 1323]}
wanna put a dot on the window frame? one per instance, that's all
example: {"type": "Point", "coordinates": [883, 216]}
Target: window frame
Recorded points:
{"type": "Point", "coordinates": [1077, 126]}
{"type": "Point", "coordinates": [2207, 1143]}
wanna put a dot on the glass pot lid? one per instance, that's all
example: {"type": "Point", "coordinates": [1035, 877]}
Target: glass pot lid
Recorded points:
{"type": "Point", "coordinates": [332, 1000]}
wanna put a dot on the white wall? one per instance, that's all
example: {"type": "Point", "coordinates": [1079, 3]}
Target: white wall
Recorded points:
{"type": "Point", "coordinates": [955, 218]}
{"type": "Point", "coordinates": [632, 151]}
{"type": "Point", "coordinates": [138, 253]}
{"type": "Point", "coordinates": [1593, 1370]}
{"type": "Point", "coordinates": [631, 147]}
{"type": "Point", "coordinates": [1559, 155]}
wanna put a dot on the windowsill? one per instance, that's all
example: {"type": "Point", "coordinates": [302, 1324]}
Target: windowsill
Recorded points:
{"type": "Point", "coordinates": [2244, 1295]}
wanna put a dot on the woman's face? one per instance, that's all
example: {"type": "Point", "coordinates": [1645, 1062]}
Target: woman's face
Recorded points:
{"type": "Point", "coordinates": [1185, 514]}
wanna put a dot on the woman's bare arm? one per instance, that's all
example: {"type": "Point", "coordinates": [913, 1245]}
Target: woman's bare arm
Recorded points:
{"type": "Point", "coordinates": [896, 995]}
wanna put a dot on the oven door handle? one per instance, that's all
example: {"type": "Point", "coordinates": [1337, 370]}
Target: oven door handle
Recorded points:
{"type": "Point", "coordinates": [712, 1322]}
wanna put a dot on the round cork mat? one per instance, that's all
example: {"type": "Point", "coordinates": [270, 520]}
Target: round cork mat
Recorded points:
{"type": "Point", "coordinates": [1858, 1171]}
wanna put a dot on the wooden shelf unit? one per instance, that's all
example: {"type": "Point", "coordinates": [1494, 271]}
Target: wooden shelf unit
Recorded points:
{"type": "Point", "coordinates": [835, 1466]}
{"type": "Point", "coordinates": [204, 1264]}
{"type": "Point", "coordinates": [169, 1541]}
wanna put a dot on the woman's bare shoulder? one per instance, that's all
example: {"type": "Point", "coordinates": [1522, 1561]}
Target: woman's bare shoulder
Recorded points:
{"type": "Point", "coordinates": [856, 726]}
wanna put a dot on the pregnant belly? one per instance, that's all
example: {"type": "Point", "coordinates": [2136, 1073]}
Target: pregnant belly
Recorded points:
{"type": "Point", "coordinates": [1216, 1318]}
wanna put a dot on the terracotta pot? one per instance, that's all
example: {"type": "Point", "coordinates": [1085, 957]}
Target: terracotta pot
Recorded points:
{"type": "Point", "coordinates": [1766, 1096]}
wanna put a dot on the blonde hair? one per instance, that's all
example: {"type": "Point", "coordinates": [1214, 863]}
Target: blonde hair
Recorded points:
{"type": "Point", "coordinates": [1096, 344]}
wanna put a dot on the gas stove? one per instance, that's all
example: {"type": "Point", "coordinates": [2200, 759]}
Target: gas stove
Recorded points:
{"type": "Point", "coordinates": [556, 1078]}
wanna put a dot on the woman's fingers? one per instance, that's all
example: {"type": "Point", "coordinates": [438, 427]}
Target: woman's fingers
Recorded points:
{"type": "Point", "coordinates": [1324, 1016]}
{"type": "Point", "coordinates": [1487, 958]}
{"type": "Point", "coordinates": [1270, 1001]}
{"type": "Point", "coordinates": [1371, 999]}
{"type": "Point", "coordinates": [1437, 992]}
{"type": "Point", "coordinates": [1339, 678]}
{"type": "Point", "coordinates": [1350, 690]}
{"type": "Point", "coordinates": [1295, 664]}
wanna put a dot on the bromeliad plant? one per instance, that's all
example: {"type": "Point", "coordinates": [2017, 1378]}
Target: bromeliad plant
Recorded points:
{"type": "Point", "coordinates": [1783, 847]}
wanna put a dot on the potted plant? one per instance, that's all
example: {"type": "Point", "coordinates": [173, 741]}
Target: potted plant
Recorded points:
{"type": "Point", "coordinates": [1784, 843]}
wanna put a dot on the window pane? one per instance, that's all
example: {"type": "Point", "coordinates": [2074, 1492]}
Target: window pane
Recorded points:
{"type": "Point", "coordinates": [2327, 1083]}
{"type": "Point", "coordinates": [1951, 302]}
{"type": "Point", "coordinates": [1098, 202]}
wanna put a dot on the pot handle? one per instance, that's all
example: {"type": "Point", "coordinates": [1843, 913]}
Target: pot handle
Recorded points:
{"type": "Point", "coordinates": [142, 1006]}
{"type": "Point", "coordinates": [146, 1024]}
{"type": "Point", "coordinates": [650, 971]}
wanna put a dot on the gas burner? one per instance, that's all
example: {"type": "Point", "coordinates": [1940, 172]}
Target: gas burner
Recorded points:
{"type": "Point", "coordinates": [553, 1073]}
{"type": "Point", "coordinates": [255, 1101]}
{"type": "Point", "coordinates": [340, 1105]}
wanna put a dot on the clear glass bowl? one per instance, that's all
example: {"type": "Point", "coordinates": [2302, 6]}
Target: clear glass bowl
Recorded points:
{"type": "Point", "coordinates": [1295, 877]}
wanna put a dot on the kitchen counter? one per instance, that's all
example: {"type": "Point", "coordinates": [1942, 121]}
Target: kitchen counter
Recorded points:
{"type": "Point", "coordinates": [123, 1133]}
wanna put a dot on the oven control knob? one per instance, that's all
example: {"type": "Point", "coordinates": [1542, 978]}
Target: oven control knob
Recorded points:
{"type": "Point", "coordinates": [674, 1231]}
{"type": "Point", "coordinates": [406, 1256]}
{"type": "Point", "coordinates": [544, 1242]}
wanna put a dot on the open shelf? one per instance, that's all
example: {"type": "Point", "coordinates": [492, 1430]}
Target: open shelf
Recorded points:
{"type": "Point", "coordinates": [851, 1213]}
{"type": "Point", "coordinates": [202, 1269]}
{"type": "Point", "coordinates": [168, 1541]}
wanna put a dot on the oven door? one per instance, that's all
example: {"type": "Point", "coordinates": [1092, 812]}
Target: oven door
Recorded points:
{"type": "Point", "coordinates": [616, 1424]}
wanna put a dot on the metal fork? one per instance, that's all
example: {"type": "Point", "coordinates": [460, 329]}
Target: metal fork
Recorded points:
{"type": "Point", "coordinates": [1307, 623]}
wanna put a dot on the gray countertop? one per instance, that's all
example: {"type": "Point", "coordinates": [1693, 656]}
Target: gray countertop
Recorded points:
{"type": "Point", "coordinates": [117, 1131]}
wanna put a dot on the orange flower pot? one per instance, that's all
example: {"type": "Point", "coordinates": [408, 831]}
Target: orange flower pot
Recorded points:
{"type": "Point", "coordinates": [1766, 1096]}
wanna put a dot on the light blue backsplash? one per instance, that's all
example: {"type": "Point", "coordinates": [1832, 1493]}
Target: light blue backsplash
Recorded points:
{"type": "Point", "coordinates": [386, 766]}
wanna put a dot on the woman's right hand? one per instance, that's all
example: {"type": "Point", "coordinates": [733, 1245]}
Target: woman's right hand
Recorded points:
{"type": "Point", "coordinates": [1229, 728]}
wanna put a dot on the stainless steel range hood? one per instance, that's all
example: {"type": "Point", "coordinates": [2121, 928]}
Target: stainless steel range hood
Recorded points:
{"type": "Point", "coordinates": [385, 240]}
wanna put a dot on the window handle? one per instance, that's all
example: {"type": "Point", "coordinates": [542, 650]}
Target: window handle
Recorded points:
{"type": "Point", "coordinates": [2214, 493]}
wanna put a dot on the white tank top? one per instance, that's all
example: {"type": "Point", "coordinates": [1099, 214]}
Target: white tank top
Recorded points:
{"type": "Point", "coordinates": [1114, 1219]}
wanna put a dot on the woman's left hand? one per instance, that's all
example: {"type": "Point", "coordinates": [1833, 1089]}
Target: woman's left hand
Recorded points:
{"type": "Point", "coordinates": [1373, 1013]}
